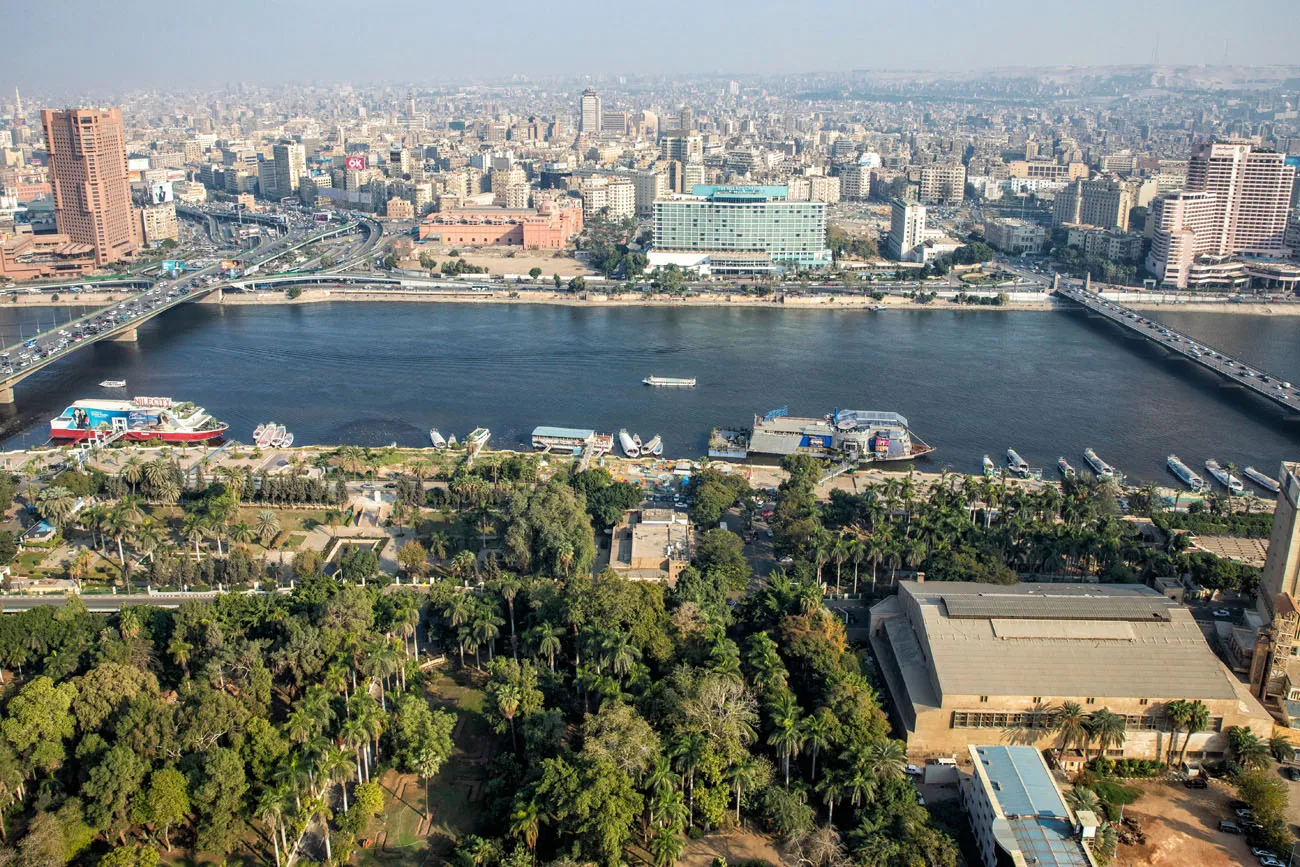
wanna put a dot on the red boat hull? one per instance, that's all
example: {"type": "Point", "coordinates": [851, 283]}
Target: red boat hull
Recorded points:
{"type": "Point", "coordinates": [78, 435]}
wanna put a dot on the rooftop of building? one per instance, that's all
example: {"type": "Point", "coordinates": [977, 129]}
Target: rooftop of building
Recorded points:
{"type": "Point", "coordinates": [1107, 640]}
{"type": "Point", "coordinates": [1034, 818]}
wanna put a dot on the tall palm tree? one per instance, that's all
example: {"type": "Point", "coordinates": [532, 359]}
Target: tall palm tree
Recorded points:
{"type": "Point", "coordinates": [194, 529]}
{"type": "Point", "coordinates": [1107, 729]}
{"type": "Point", "coordinates": [786, 735]}
{"type": "Point", "coordinates": [1177, 712]}
{"type": "Point", "coordinates": [1198, 720]}
{"type": "Point", "coordinates": [832, 786]}
{"type": "Point", "coordinates": [687, 753]}
{"type": "Point", "coordinates": [526, 821]}
{"type": "Point", "coordinates": [546, 638]}
{"type": "Point", "coordinates": [133, 471]}
{"type": "Point", "coordinates": [1071, 726]}
{"type": "Point", "coordinates": [55, 504]}
{"type": "Point", "coordinates": [816, 736]}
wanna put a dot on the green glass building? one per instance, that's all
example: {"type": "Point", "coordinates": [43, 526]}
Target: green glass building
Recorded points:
{"type": "Point", "coordinates": [756, 222]}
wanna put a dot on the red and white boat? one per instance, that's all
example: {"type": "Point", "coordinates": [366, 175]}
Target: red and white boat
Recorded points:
{"type": "Point", "coordinates": [141, 418]}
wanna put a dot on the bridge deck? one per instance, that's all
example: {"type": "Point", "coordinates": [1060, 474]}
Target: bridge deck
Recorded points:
{"type": "Point", "coordinates": [1272, 388]}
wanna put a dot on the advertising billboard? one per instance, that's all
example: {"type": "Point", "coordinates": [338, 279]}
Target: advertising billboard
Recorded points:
{"type": "Point", "coordinates": [355, 163]}
{"type": "Point", "coordinates": [160, 192]}
{"type": "Point", "coordinates": [229, 264]}
{"type": "Point", "coordinates": [172, 265]}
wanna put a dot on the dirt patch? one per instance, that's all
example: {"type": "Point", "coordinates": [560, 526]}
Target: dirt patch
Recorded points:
{"type": "Point", "coordinates": [733, 846]}
{"type": "Point", "coordinates": [1181, 826]}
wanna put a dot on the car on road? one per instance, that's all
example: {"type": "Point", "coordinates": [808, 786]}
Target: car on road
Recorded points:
{"type": "Point", "coordinates": [1270, 861]}
{"type": "Point", "coordinates": [914, 770]}
{"type": "Point", "coordinates": [1260, 853]}
{"type": "Point", "coordinates": [1229, 827]}
{"type": "Point", "coordinates": [1221, 612]}
{"type": "Point", "coordinates": [1197, 782]}
{"type": "Point", "coordinates": [1244, 813]}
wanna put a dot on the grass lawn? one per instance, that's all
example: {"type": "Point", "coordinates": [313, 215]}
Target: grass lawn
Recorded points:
{"type": "Point", "coordinates": [292, 543]}
{"type": "Point", "coordinates": [403, 837]}
{"type": "Point", "coordinates": [29, 560]}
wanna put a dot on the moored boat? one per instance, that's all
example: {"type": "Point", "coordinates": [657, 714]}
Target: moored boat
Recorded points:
{"type": "Point", "coordinates": [631, 447]}
{"type": "Point", "coordinates": [1185, 473]}
{"type": "Point", "coordinates": [1016, 463]}
{"type": "Point", "coordinates": [436, 439]}
{"type": "Point", "coordinates": [258, 431]}
{"type": "Point", "coordinates": [265, 433]}
{"type": "Point", "coordinates": [991, 469]}
{"type": "Point", "coordinates": [1223, 477]}
{"type": "Point", "coordinates": [478, 438]}
{"type": "Point", "coordinates": [655, 446]}
{"type": "Point", "coordinates": [113, 383]}
{"type": "Point", "coordinates": [141, 418]}
{"type": "Point", "coordinates": [1100, 467]}
{"type": "Point", "coordinates": [1063, 465]}
{"type": "Point", "coordinates": [288, 440]}
{"type": "Point", "coordinates": [1266, 482]}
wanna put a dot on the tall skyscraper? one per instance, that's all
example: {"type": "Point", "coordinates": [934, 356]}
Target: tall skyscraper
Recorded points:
{"type": "Point", "coordinates": [1253, 193]}
{"type": "Point", "coordinates": [92, 195]}
{"type": "Point", "coordinates": [590, 118]}
{"type": "Point", "coordinates": [1236, 201]}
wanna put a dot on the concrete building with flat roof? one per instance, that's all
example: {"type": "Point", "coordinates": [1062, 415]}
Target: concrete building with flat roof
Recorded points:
{"type": "Point", "coordinates": [652, 545]}
{"type": "Point", "coordinates": [751, 220]}
{"type": "Point", "coordinates": [966, 662]}
{"type": "Point", "coordinates": [1018, 813]}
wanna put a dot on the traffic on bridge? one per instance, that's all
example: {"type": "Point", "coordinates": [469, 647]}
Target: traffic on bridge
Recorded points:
{"type": "Point", "coordinates": [1239, 373]}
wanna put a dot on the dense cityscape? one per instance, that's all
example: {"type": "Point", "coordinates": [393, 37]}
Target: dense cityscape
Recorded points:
{"type": "Point", "coordinates": [420, 619]}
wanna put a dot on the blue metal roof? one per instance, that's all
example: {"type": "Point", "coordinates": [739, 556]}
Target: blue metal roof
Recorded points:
{"type": "Point", "coordinates": [1022, 782]}
{"type": "Point", "coordinates": [1036, 814]}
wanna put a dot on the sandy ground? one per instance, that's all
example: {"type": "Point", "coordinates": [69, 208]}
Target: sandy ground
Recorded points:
{"type": "Point", "coordinates": [511, 261]}
{"type": "Point", "coordinates": [731, 845]}
{"type": "Point", "coordinates": [1182, 828]}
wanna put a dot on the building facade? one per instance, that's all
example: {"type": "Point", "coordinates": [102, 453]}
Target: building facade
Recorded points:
{"type": "Point", "coordinates": [550, 227]}
{"type": "Point", "coordinates": [158, 223]}
{"type": "Point", "coordinates": [1101, 202]}
{"type": "Point", "coordinates": [1183, 225]}
{"type": "Point", "coordinates": [906, 228]}
{"type": "Point", "coordinates": [590, 115]}
{"type": "Point", "coordinates": [88, 173]}
{"type": "Point", "coordinates": [749, 220]}
{"type": "Point", "coordinates": [1015, 236]}
{"type": "Point", "coordinates": [943, 184]}
{"type": "Point", "coordinates": [966, 663]}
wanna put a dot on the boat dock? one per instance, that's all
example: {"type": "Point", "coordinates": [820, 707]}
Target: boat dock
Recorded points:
{"type": "Point", "coordinates": [1233, 372]}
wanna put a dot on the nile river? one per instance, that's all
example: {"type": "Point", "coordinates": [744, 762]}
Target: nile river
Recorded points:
{"type": "Point", "coordinates": [970, 383]}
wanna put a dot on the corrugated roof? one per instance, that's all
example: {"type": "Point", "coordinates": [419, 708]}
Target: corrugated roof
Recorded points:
{"type": "Point", "coordinates": [576, 433]}
{"type": "Point", "coordinates": [1037, 817]}
{"type": "Point", "coordinates": [1163, 658]}
{"type": "Point", "coordinates": [1020, 606]}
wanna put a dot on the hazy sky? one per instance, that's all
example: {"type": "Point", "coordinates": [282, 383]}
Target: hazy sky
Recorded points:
{"type": "Point", "coordinates": [156, 44]}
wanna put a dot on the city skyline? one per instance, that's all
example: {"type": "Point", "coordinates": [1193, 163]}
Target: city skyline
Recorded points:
{"type": "Point", "coordinates": [333, 41]}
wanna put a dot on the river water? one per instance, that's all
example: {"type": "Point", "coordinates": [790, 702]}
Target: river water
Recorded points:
{"type": "Point", "coordinates": [970, 383]}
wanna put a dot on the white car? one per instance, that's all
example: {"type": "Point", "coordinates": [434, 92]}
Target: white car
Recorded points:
{"type": "Point", "coordinates": [914, 770]}
{"type": "Point", "coordinates": [1221, 612]}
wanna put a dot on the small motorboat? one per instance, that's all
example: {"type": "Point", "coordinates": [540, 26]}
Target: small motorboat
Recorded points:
{"type": "Point", "coordinates": [630, 444]}
{"type": "Point", "coordinates": [1063, 465]}
{"type": "Point", "coordinates": [258, 431]}
{"type": "Point", "coordinates": [1268, 483]}
{"type": "Point", "coordinates": [288, 441]}
{"type": "Point", "coordinates": [113, 383]}
{"type": "Point", "coordinates": [654, 447]}
{"type": "Point", "coordinates": [437, 439]}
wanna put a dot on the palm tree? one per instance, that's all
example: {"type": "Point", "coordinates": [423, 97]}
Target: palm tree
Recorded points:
{"type": "Point", "coordinates": [832, 787]}
{"type": "Point", "coordinates": [816, 735]}
{"type": "Point", "coordinates": [1198, 720]}
{"type": "Point", "coordinates": [546, 638]}
{"type": "Point", "coordinates": [55, 504]}
{"type": "Point", "coordinates": [1250, 752]}
{"type": "Point", "coordinates": [133, 471]}
{"type": "Point", "coordinates": [1071, 726]}
{"type": "Point", "coordinates": [1107, 729]}
{"type": "Point", "coordinates": [526, 821]}
{"type": "Point", "coordinates": [508, 699]}
{"type": "Point", "coordinates": [266, 526]}
{"type": "Point", "coordinates": [485, 627]}
{"type": "Point", "coordinates": [157, 473]}
{"type": "Point", "coordinates": [194, 529]}
{"type": "Point", "coordinates": [667, 847]}
{"type": "Point", "coordinates": [787, 734]}
{"type": "Point", "coordinates": [1082, 798]}
{"type": "Point", "coordinates": [687, 753]}
{"type": "Point", "coordinates": [242, 532]}
{"type": "Point", "coordinates": [1177, 712]}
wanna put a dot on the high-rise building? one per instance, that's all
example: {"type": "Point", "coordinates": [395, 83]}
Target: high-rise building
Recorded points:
{"type": "Point", "coordinates": [1253, 193]}
{"type": "Point", "coordinates": [906, 228]}
{"type": "Point", "coordinates": [682, 148]}
{"type": "Point", "coordinates": [590, 117]}
{"type": "Point", "coordinates": [608, 197]}
{"type": "Point", "coordinates": [650, 186]}
{"type": "Point", "coordinates": [1236, 201]}
{"type": "Point", "coordinates": [1183, 225]}
{"type": "Point", "coordinates": [1101, 202]}
{"type": "Point", "coordinates": [754, 223]}
{"type": "Point", "coordinates": [92, 195]}
{"type": "Point", "coordinates": [943, 184]}
{"type": "Point", "coordinates": [1281, 572]}
{"type": "Point", "coordinates": [613, 123]}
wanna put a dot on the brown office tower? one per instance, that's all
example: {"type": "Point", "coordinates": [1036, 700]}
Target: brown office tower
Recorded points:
{"type": "Point", "coordinates": [92, 196]}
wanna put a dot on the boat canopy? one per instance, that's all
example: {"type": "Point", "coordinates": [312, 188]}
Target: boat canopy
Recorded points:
{"type": "Point", "coordinates": [850, 419]}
